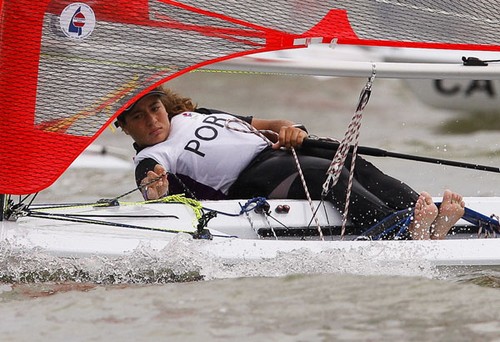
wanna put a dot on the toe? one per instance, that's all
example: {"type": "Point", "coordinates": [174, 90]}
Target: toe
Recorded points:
{"type": "Point", "coordinates": [447, 196]}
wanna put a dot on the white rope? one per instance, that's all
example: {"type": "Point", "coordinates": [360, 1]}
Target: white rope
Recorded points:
{"type": "Point", "coordinates": [247, 128]}
{"type": "Point", "coordinates": [308, 196]}
{"type": "Point", "coordinates": [351, 137]}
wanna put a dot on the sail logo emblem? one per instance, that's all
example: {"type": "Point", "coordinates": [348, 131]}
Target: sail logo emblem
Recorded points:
{"type": "Point", "coordinates": [77, 20]}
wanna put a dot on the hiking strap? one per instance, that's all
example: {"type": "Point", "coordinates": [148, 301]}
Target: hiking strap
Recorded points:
{"type": "Point", "coordinates": [395, 226]}
{"type": "Point", "coordinates": [487, 224]}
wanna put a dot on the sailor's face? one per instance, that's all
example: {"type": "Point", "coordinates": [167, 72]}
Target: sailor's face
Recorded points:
{"type": "Point", "coordinates": [148, 122]}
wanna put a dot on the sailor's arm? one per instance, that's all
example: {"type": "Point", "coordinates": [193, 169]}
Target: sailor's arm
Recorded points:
{"type": "Point", "coordinates": [290, 134]}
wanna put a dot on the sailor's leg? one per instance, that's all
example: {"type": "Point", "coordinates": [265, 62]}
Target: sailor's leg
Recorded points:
{"type": "Point", "coordinates": [393, 192]}
{"type": "Point", "coordinates": [365, 208]}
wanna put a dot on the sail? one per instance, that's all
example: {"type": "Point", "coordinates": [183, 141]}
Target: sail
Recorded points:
{"type": "Point", "coordinates": [68, 68]}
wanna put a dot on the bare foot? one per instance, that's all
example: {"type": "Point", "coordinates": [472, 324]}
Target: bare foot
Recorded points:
{"type": "Point", "coordinates": [424, 215]}
{"type": "Point", "coordinates": [450, 211]}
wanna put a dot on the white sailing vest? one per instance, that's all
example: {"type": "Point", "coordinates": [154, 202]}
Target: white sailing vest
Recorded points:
{"type": "Point", "coordinates": [200, 147]}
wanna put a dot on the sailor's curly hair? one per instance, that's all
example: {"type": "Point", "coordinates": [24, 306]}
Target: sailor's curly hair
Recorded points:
{"type": "Point", "coordinates": [175, 103]}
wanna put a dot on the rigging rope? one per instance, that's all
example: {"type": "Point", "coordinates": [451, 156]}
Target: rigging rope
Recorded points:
{"type": "Point", "coordinates": [351, 137]}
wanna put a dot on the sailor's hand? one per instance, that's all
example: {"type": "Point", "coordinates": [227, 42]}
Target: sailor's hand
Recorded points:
{"type": "Point", "coordinates": [157, 183]}
{"type": "Point", "coordinates": [290, 136]}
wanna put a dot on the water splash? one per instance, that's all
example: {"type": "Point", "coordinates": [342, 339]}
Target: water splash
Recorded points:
{"type": "Point", "coordinates": [183, 259]}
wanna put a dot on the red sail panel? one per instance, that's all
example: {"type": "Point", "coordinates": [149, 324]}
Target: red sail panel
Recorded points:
{"type": "Point", "coordinates": [68, 68]}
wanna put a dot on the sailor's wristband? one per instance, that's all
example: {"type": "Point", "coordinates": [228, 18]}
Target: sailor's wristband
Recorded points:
{"type": "Point", "coordinates": [301, 126]}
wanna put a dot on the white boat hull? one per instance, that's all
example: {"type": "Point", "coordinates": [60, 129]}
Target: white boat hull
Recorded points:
{"type": "Point", "coordinates": [234, 238]}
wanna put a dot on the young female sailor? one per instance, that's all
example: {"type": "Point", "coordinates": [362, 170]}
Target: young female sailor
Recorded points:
{"type": "Point", "coordinates": [216, 155]}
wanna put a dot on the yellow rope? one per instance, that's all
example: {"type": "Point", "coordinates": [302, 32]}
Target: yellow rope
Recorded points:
{"type": "Point", "coordinates": [195, 205]}
{"type": "Point", "coordinates": [181, 198]}
{"type": "Point", "coordinates": [192, 203]}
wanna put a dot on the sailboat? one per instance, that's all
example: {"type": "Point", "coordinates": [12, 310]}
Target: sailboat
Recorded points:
{"type": "Point", "coordinates": [69, 68]}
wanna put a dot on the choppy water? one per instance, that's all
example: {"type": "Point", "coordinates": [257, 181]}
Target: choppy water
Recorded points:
{"type": "Point", "coordinates": [177, 295]}
{"type": "Point", "coordinates": [292, 308]}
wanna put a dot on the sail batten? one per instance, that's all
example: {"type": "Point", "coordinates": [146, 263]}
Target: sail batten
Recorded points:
{"type": "Point", "coordinates": [69, 67]}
